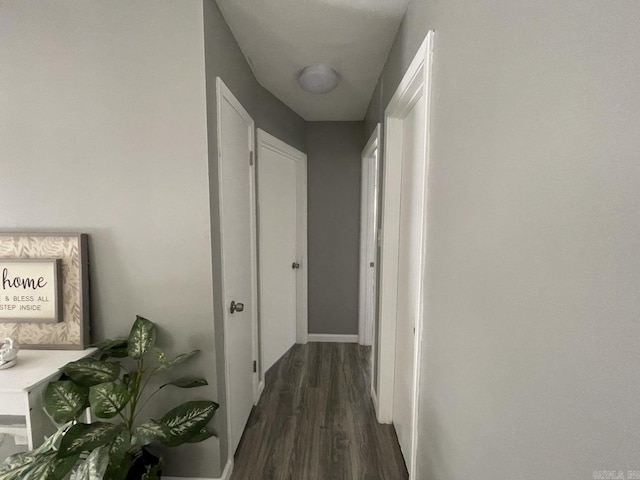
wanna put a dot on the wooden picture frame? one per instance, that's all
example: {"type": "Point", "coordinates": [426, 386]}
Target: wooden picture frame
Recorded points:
{"type": "Point", "coordinates": [69, 251]}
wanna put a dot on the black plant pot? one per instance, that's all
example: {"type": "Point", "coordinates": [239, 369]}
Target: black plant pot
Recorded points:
{"type": "Point", "coordinates": [141, 463]}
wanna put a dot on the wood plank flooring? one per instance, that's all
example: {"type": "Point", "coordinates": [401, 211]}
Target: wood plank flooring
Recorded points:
{"type": "Point", "coordinates": [315, 421]}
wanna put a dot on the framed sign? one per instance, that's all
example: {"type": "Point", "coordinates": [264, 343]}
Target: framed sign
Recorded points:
{"type": "Point", "coordinates": [30, 290]}
{"type": "Point", "coordinates": [44, 290]}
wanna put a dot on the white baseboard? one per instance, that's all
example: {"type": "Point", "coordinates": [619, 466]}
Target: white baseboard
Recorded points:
{"type": "Point", "coordinates": [323, 337]}
{"type": "Point", "coordinates": [228, 468]}
{"type": "Point", "coordinates": [260, 390]}
{"type": "Point", "coordinates": [374, 399]}
{"type": "Point", "coordinates": [226, 474]}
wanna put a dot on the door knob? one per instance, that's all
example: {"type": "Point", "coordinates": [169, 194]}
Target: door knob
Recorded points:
{"type": "Point", "coordinates": [295, 265]}
{"type": "Point", "coordinates": [236, 307]}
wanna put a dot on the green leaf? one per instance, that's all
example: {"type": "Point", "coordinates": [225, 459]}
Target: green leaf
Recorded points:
{"type": "Point", "coordinates": [43, 466]}
{"type": "Point", "coordinates": [186, 420]}
{"type": "Point", "coordinates": [108, 399]}
{"type": "Point", "coordinates": [50, 442]}
{"type": "Point", "coordinates": [40, 468]}
{"type": "Point", "coordinates": [141, 338]}
{"type": "Point", "coordinates": [113, 348]}
{"type": "Point", "coordinates": [187, 382]}
{"type": "Point", "coordinates": [165, 365]}
{"type": "Point", "coordinates": [149, 432]}
{"type": "Point", "coordinates": [84, 437]}
{"type": "Point", "coordinates": [94, 467]}
{"type": "Point", "coordinates": [119, 446]}
{"type": "Point", "coordinates": [120, 458]}
{"type": "Point", "coordinates": [64, 400]}
{"type": "Point", "coordinates": [153, 472]}
{"type": "Point", "coordinates": [88, 371]}
{"type": "Point", "coordinates": [17, 466]}
{"type": "Point", "coordinates": [201, 436]}
{"type": "Point", "coordinates": [60, 467]}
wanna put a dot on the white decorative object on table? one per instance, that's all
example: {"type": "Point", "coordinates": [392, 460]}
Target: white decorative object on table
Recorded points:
{"type": "Point", "coordinates": [8, 353]}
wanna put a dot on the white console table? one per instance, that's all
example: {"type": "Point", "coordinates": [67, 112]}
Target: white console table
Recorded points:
{"type": "Point", "coordinates": [22, 388]}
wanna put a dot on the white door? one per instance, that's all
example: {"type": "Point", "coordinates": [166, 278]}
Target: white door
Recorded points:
{"type": "Point", "coordinates": [412, 196]}
{"type": "Point", "coordinates": [368, 238]}
{"type": "Point", "coordinates": [281, 257]}
{"type": "Point", "coordinates": [237, 223]}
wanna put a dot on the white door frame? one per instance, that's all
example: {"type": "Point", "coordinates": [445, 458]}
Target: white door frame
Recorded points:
{"type": "Point", "coordinates": [415, 84]}
{"type": "Point", "coordinates": [366, 307]}
{"type": "Point", "coordinates": [268, 141]}
{"type": "Point", "coordinates": [224, 94]}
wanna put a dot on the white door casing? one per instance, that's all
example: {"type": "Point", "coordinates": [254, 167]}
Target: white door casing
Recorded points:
{"type": "Point", "coordinates": [399, 234]}
{"type": "Point", "coordinates": [281, 243]}
{"type": "Point", "coordinates": [368, 238]}
{"type": "Point", "coordinates": [236, 177]}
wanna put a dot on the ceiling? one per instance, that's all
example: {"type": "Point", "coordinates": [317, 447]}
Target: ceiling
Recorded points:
{"type": "Point", "coordinates": [281, 37]}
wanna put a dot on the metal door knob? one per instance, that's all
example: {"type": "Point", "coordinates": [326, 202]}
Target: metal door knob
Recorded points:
{"type": "Point", "coordinates": [236, 307]}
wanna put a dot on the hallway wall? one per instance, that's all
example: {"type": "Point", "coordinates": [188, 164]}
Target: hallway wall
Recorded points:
{"type": "Point", "coordinates": [224, 59]}
{"type": "Point", "coordinates": [531, 331]}
{"type": "Point", "coordinates": [107, 126]}
{"type": "Point", "coordinates": [334, 165]}
{"type": "Point", "coordinates": [103, 131]}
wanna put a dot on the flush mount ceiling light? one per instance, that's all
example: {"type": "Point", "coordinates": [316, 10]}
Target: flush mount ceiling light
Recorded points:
{"type": "Point", "coordinates": [318, 78]}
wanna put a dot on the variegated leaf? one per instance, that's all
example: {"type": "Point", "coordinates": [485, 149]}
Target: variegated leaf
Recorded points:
{"type": "Point", "coordinates": [112, 348]}
{"type": "Point", "coordinates": [51, 441]}
{"type": "Point", "coordinates": [149, 432]}
{"type": "Point", "coordinates": [84, 437]}
{"type": "Point", "coordinates": [41, 468]}
{"type": "Point", "coordinates": [17, 466]}
{"type": "Point", "coordinates": [165, 365]}
{"type": "Point", "coordinates": [186, 420]}
{"type": "Point", "coordinates": [88, 371]}
{"type": "Point", "coordinates": [94, 466]}
{"type": "Point", "coordinates": [141, 338]}
{"type": "Point", "coordinates": [62, 466]}
{"type": "Point", "coordinates": [119, 456]}
{"type": "Point", "coordinates": [187, 382]}
{"type": "Point", "coordinates": [120, 444]}
{"type": "Point", "coordinates": [161, 357]}
{"type": "Point", "coordinates": [153, 472]}
{"type": "Point", "coordinates": [108, 399]}
{"type": "Point", "coordinates": [65, 400]}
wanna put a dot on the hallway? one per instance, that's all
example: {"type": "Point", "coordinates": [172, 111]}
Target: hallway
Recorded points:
{"type": "Point", "coordinates": [315, 421]}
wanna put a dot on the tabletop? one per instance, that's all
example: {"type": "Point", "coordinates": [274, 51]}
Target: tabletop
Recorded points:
{"type": "Point", "coordinates": [36, 366]}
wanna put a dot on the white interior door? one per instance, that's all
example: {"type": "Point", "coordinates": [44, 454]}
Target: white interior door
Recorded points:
{"type": "Point", "coordinates": [368, 239]}
{"type": "Point", "coordinates": [372, 250]}
{"type": "Point", "coordinates": [280, 257]}
{"type": "Point", "coordinates": [237, 220]}
{"type": "Point", "coordinates": [412, 200]}
{"type": "Point", "coordinates": [403, 252]}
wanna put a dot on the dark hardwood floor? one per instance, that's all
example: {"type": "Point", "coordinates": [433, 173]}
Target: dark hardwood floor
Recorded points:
{"type": "Point", "coordinates": [315, 421]}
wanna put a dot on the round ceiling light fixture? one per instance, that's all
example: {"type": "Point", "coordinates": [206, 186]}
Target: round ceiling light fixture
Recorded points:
{"type": "Point", "coordinates": [318, 78]}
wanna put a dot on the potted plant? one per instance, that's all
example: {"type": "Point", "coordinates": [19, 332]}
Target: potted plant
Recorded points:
{"type": "Point", "coordinates": [115, 387]}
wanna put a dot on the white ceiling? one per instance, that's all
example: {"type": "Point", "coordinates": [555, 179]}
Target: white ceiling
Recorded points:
{"type": "Point", "coordinates": [280, 37]}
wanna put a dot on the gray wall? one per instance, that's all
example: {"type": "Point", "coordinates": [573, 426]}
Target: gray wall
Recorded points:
{"type": "Point", "coordinates": [103, 129]}
{"type": "Point", "coordinates": [224, 59]}
{"type": "Point", "coordinates": [334, 164]}
{"type": "Point", "coordinates": [532, 327]}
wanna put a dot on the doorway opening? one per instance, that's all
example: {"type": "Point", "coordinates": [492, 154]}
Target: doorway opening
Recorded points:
{"type": "Point", "coordinates": [403, 252]}
{"type": "Point", "coordinates": [282, 248]}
